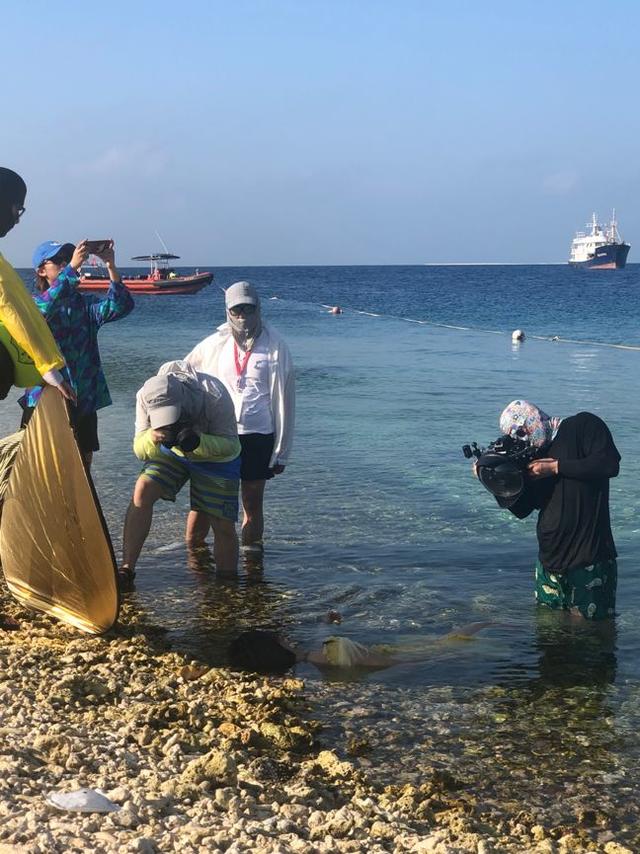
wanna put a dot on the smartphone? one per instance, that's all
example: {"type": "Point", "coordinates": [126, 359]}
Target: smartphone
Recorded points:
{"type": "Point", "coordinates": [95, 247]}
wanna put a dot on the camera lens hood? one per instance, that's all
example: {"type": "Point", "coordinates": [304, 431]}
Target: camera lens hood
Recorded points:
{"type": "Point", "coordinates": [501, 476]}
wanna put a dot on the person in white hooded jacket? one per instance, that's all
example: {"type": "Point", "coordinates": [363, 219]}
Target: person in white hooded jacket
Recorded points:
{"type": "Point", "coordinates": [254, 363]}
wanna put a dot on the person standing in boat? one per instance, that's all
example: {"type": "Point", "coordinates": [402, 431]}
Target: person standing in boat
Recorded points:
{"type": "Point", "coordinates": [74, 320]}
{"type": "Point", "coordinates": [254, 363]}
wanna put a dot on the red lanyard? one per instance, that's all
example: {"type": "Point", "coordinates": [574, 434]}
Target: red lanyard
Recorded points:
{"type": "Point", "coordinates": [241, 367]}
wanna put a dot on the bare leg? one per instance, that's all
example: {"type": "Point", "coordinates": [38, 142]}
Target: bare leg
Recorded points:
{"type": "Point", "coordinates": [200, 559]}
{"type": "Point", "coordinates": [225, 545]}
{"type": "Point", "coordinates": [252, 505]}
{"type": "Point", "coordinates": [198, 525]}
{"type": "Point", "coordinates": [137, 523]}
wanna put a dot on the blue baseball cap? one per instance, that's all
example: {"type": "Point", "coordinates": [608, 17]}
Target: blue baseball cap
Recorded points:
{"type": "Point", "coordinates": [49, 249]}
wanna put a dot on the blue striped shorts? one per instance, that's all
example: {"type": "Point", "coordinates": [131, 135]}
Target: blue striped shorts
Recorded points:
{"type": "Point", "coordinates": [211, 494]}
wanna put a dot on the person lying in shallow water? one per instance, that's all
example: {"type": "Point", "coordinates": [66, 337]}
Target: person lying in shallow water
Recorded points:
{"type": "Point", "coordinates": [262, 651]}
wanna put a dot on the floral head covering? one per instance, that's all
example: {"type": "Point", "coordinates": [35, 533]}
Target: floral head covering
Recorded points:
{"type": "Point", "coordinates": [525, 420]}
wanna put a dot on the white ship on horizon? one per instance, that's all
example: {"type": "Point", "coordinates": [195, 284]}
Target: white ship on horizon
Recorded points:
{"type": "Point", "coordinates": [601, 248]}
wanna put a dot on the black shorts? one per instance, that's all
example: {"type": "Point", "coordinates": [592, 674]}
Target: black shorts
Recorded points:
{"type": "Point", "coordinates": [256, 456]}
{"type": "Point", "coordinates": [85, 428]}
{"type": "Point", "coordinates": [7, 372]}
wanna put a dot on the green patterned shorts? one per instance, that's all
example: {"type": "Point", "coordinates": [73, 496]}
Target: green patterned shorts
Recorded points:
{"type": "Point", "coordinates": [591, 590]}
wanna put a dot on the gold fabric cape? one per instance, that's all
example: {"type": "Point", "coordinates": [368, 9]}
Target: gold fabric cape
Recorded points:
{"type": "Point", "coordinates": [54, 545]}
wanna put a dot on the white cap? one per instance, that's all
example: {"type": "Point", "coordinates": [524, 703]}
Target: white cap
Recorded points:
{"type": "Point", "coordinates": [241, 293]}
{"type": "Point", "coordinates": [163, 397]}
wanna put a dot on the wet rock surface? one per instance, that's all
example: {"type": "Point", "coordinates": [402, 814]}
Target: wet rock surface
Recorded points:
{"type": "Point", "coordinates": [205, 760]}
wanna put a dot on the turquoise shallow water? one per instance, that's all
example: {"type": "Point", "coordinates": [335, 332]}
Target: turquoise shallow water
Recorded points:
{"type": "Point", "coordinates": [379, 518]}
{"type": "Point", "coordinates": [377, 515]}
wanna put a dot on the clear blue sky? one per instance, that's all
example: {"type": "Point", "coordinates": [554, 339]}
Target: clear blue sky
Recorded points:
{"type": "Point", "coordinates": [322, 132]}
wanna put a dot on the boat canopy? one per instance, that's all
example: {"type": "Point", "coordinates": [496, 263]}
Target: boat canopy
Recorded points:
{"type": "Point", "coordinates": [162, 256]}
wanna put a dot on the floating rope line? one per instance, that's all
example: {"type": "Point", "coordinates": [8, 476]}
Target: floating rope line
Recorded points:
{"type": "Point", "coordinates": [556, 339]}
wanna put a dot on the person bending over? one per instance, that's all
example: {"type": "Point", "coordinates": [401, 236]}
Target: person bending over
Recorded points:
{"type": "Point", "coordinates": [185, 431]}
{"type": "Point", "coordinates": [254, 363]}
{"type": "Point", "coordinates": [568, 484]}
{"type": "Point", "coordinates": [75, 319]}
{"type": "Point", "coordinates": [18, 313]}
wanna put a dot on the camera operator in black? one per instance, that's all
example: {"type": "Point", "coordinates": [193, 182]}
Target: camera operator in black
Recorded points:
{"type": "Point", "coordinates": [569, 485]}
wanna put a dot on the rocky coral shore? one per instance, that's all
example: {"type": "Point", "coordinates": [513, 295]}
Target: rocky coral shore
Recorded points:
{"type": "Point", "coordinates": [204, 760]}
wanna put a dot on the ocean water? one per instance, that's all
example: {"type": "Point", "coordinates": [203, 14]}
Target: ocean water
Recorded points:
{"type": "Point", "coordinates": [378, 517]}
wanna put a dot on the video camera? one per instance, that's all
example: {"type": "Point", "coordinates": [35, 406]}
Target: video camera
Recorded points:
{"type": "Point", "coordinates": [182, 436]}
{"type": "Point", "coordinates": [502, 465]}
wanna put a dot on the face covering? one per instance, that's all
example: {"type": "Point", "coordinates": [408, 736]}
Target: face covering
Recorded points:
{"type": "Point", "coordinates": [13, 191]}
{"type": "Point", "coordinates": [244, 328]}
{"type": "Point", "coordinates": [524, 420]}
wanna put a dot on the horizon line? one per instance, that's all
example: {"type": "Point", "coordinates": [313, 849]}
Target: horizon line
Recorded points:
{"type": "Point", "coordinates": [387, 264]}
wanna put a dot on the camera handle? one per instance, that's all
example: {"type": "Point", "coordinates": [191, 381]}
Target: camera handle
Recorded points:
{"type": "Point", "coordinates": [472, 450]}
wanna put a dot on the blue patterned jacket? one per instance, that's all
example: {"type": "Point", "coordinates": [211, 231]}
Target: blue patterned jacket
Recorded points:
{"type": "Point", "coordinates": [74, 320]}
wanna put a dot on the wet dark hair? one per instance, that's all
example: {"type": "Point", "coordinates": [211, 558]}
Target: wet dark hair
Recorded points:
{"type": "Point", "coordinates": [13, 191]}
{"type": "Point", "coordinates": [261, 652]}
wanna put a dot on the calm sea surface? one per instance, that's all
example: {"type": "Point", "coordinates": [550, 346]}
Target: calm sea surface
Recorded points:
{"type": "Point", "coordinates": [378, 517]}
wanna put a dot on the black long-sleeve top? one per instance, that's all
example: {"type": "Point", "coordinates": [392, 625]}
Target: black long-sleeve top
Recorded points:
{"type": "Point", "coordinates": [574, 527]}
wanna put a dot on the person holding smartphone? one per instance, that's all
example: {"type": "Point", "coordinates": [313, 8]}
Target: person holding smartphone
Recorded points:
{"type": "Point", "coordinates": [74, 320]}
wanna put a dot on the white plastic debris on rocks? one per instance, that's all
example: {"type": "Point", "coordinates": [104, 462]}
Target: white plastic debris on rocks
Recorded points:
{"type": "Point", "coordinates": [82, 800]}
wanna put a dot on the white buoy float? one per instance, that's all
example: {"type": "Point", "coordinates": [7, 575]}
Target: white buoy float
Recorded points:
{"type": "Point", "coordinates": [517, 335]}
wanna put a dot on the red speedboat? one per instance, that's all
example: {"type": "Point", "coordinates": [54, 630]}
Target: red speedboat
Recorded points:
{"type": "Point", "coordinates": [161, 278]}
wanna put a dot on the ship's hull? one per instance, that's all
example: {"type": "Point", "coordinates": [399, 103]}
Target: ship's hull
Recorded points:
{"type": "Point", "coordinates": [147, 285]}
{"type": "Point", "coordinates": [612, 256]}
